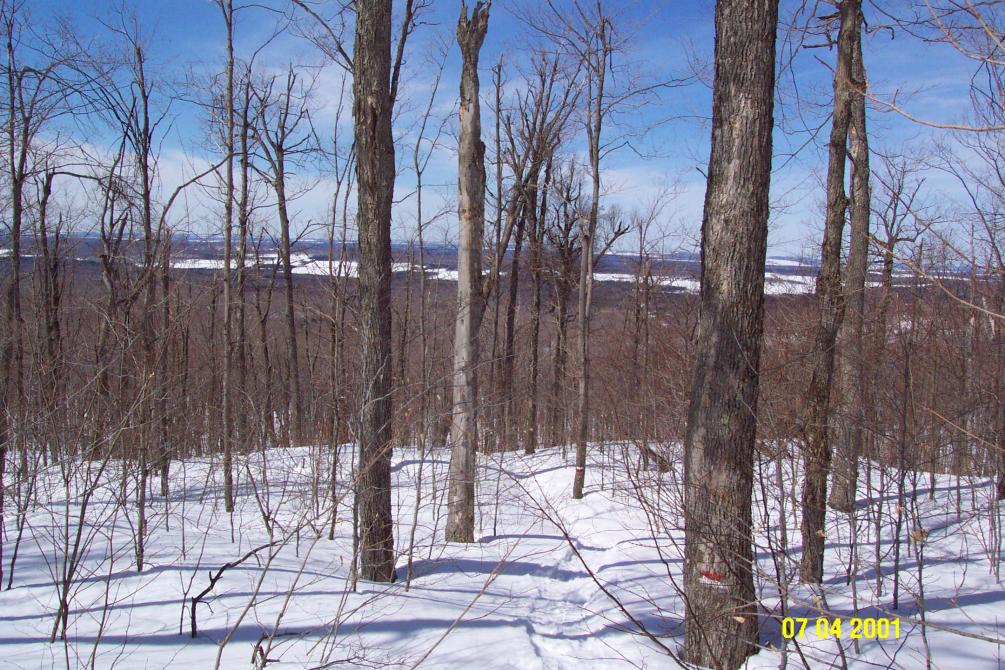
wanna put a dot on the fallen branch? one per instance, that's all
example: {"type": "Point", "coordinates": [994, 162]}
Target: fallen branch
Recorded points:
{"type": "Point", "coordinates": [213, 579]}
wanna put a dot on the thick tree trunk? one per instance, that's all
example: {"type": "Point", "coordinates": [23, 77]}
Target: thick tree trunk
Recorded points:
{"type": "Point", "coordinates": [375, 178]}
{"type": "Point", "coordinates": [831, 305]}
{"type": "Point", "coordinates": [470, 300]}
{"type": "Point", "coordinates": [851, 372]}
{"type": "Point", "coordinates": [721, 614]}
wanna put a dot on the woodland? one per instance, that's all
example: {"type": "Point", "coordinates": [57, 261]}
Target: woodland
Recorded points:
{"type": "Point", "coordinates": [340, 344]}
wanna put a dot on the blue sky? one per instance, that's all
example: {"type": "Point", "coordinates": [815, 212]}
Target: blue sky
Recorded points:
{"type": "Point", "coordinates": [668, 37]}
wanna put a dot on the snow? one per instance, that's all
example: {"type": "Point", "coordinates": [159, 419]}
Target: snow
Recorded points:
{"type": "Point", "coordinates": [785, 262]}
{"type": "Point", "coordinates": [686, 284]}
{"type": "Point", "coordinates": [307, 266]}
{"type": "Point", "coordinates": [526, 594]}
{"type": "Point", "coordinates": [443, 274]}
{"type": "Point", "coordinates": [300, 264]}
{"type": "Point", "coordinates": [200, 264]}
{"type": "Point", "coordinates": [776, 283]}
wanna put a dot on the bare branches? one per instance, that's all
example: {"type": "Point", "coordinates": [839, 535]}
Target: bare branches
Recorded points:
{"type": "Point", "coordinates": [330, 40]}
{"type": "Point", "coordinates": [973, 30]}
{"type": "Point", "coordinates": [215, 577]}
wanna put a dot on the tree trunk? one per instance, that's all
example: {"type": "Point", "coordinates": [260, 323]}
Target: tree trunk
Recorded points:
{"type": "Point", "coordinates": [292, 350]}
{"type": "Point", "coordinates": [999, 444]}
{"type": "Point", "coordinates": [851, 371]}
{"type": "Point", "coordinates": [721, 615]}
{"type": "Point", "coordinates": [149, 435]}
{"type": "Point", "coordinates": [227, 8]}
{"type": "Point", "coordinates": [536, 243]}
{"type": "Point", "coordinates": [509, 346]}
{"type": "Point", "coordinates": [240, 423]}
{"type": "Point", "coordinates": [375, 179]}
{"type": "Point", "coordinates": [583, 349]}
{"type": "Point", "coordinates": [470, 300]}
{"type": "Point", "coordinates": [831, 305]}
{"type": "Point", "coordinates": [556, 398]}
{"type": "Point", "coordinates": [596, 105]}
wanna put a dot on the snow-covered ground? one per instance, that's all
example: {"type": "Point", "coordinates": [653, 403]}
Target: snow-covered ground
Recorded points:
{"type": "Point", "coordinates": [550, 582]}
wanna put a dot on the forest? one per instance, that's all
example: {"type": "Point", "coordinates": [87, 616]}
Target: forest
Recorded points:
{"type": "Point", "coordinates": [568, 333]}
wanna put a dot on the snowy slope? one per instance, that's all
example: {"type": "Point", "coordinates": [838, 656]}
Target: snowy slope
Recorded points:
{"type": "Point", "coordinates": [551, 583]}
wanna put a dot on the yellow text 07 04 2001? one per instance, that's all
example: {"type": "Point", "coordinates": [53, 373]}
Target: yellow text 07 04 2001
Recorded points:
{"type": "Point", "coordinates": [864, 628]}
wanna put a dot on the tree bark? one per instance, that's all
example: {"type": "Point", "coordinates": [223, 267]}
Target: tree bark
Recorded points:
{"type": "Point", "coordinates": [594, 127]}
{"type": "Point", "coordinates": [509, 434]}
{"type": "Point", "coordinates": [375, 179]}
{"type": "Point", "coordinates": [830, 302]}
{"type": "Point", "coordinates": [240, 424]}
{"type": "Point", "coordinates": [851, 372]}
{"type": "Point", "coordinates": [721, 615]}
{"type": "Point", "coordinates": [292, 349]}
{"type": "Point", "coordinates": [470, 297]}
{"type": "Point", "coordinates": [227, 8]}
{"type": "Point", "coordinates": [536, 243]}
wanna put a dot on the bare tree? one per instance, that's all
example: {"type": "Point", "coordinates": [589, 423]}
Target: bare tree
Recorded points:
{"type": "Point", "coordinates": [285, 135]}
{"type": "Point", "coordinates": [830, 303]}
{"type": "Point", "coordinates": [470, 296]}
{"type": "Point", "coordinates": [227, 10]}
{"type": "Point", "coordinates": [34, 94]}
{"type": "Point", "coordinates": [375, 88]}
{"type": "Point", "coordinates": [597, 46]}
{"type": "Point", "coordinates": [372, 104]}
{"type": "Point", "coordinates": [541, 122]}
{"type": "Point", "coordinates": [589, 33]}
{"type": "Point", "coordinates": [849, 416]}
{"type": "Point", "coordinates": [721, 616]}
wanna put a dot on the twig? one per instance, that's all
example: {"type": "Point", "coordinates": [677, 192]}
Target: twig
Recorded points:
{"type": "Point", "coordinates": [213, 579]}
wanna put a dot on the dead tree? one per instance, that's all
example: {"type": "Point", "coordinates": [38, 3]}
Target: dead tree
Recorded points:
{"type": "Point", "coordinates": [470, 295]}
{"type": "Point", "coordinates": [721, 612]}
